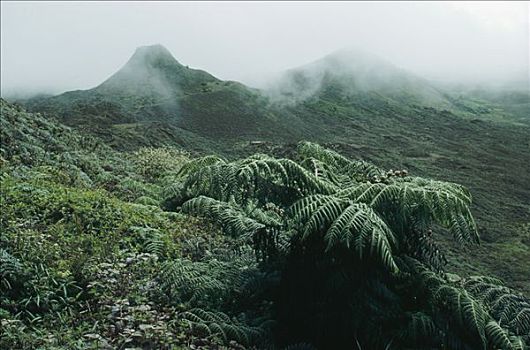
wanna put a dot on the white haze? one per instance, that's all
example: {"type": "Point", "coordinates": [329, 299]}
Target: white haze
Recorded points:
{"type": "Point", "coordinates": [59, 46]}
{"type": "Point", "coordinates": [354, 71]}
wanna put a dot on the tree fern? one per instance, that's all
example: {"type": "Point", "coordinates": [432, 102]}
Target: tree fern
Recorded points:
{"type": "Point", "coordinates": [260, 227]}
{"type": "Point", "coordinates": [283, 172]}
{"type": "Point", "coordinates": [260, 177]}
{"type": "Point", "coordinates": [312, 150]}
{"type": "Point", "coordinates": [217, 180]}
{"type": "Point", "coordinates": [466, 312]}
{"type": "Point", "coordinates": [461, 316]}
{"type": "Point", "coordinates": [360, 239]}
{"type": "Point", "coordinates": [325, 172]}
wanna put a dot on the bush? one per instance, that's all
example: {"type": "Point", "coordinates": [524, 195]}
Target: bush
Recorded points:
{"type": "Point", "coordinates": [153, 163]}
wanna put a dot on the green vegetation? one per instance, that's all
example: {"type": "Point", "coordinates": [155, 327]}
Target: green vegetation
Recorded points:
{"type": "Point", "coordinates": [162, 248]}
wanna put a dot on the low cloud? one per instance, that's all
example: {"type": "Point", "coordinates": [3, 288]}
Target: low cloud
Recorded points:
{"type": "Point", "coordinates": [58, 46]}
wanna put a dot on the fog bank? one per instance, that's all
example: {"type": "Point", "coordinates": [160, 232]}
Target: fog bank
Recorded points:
{"type": "Point", "coordinates": [58, 46]}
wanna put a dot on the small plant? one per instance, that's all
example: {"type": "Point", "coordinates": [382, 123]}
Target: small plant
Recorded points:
{"type": "Point", "coordinates": [153, 163]}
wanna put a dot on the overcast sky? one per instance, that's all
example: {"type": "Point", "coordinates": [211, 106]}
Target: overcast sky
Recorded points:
{"type": "Point", "coordinates": [59, 46]}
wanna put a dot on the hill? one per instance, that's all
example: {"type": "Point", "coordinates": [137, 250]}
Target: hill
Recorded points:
{"type": "Point", "coordinates": [154, 91]}
{"type": "Point", "coordinates": [350, 74]}
{"type": "Point", "coordinates": [155, 100]}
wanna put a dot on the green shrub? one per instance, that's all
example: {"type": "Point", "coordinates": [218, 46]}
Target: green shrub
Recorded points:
{"type": "Point", "coordinates": [155, 162]}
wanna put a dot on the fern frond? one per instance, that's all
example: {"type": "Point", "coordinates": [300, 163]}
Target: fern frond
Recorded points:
{"type": "Point", "coordinates": [258, 176]}
{"type": "Point", "coordinates": [184, 281]}
{"type": "Point", "coordinates": [518, 343]}
{"type": "Point", "coordinates": [498, 336]}
{"type": "Point", "coordinates": [424, 200]}
{"type": "Point", "coordinates": [343, 222]}
{"type": "Point", "coordinates": [312, 150]}
{"type": "Point", "coordinates": [10, 269]}
{"type": "Point", "coordinates": [218, 181]}
{"type": "Point", "coordinates": [151, 240]}
{"type": "Point", "coordinates": [199, 163]}
{"type": "Point", "coordinates": [512, 310]}
{"type": "Point", "coordinates": [284, 172]}
{"type": "Point", "coordinates": [327, 173]}
{"type": "Point", "coordinates": [220, 324]}
{"type": "Point", "coordinates": [232, 219]}
{"type": "Point", "coordinates": [208, 283]}
{"type": "Point", "coordinates": [358, 170]}
{"type": "Point", "coordinates": [467, 312]}
{"type": "Point", "coordinates": [419, 330]}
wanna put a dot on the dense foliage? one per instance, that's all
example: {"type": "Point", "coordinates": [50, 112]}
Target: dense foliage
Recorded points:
{"type": "Point", "coordinates": [160, 249]}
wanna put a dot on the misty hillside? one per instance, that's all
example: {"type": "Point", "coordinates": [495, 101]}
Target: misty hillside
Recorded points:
{"type": "Point", "coordinates": [156, 91]}
{"type": "Point", "coordinates": [513, 102]}
{"type": "Point", "coordinates": [348, 74]}
{"type": "Point", "coordinates": [153, 72]}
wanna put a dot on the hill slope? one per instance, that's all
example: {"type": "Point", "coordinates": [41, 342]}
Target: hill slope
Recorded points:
{"type": "Point", "coordinates": [153, 90]}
